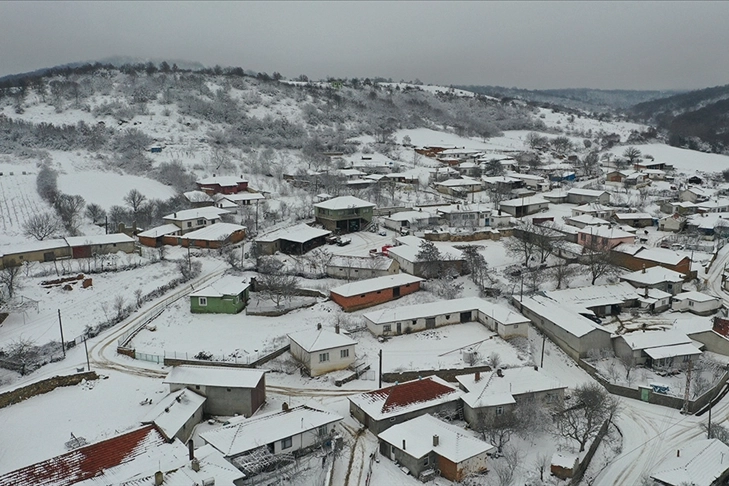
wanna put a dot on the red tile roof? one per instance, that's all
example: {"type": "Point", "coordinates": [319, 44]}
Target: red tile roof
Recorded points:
{"type": "Point", "coordinates": [417, 391]}
{"type": "Point", "coordinates": [86, 462]}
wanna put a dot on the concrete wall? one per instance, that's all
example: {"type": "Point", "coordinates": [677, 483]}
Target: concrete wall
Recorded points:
{"type": "Point", "coordinates": [229, 401]}
{"type": "Point", "coordinates": [622, 350]}
{"type": "Point", "coordinates": [698, 308]}
{"type": "Point", "coordinates": [16, 259]}
{"type": "Point", "coordinates": [315, 367]}
{"type": "Point", "coordinates": [360, 273]}
{"type": "Point", "coordinates": [43, 386]}
{"type": "Point", "coordinates": [380, 426]}
{"type": "Point", "coordinates": [219, 305]}
{"type": "Point", "coordinates": [714, 342]}
{"type": "Point", "coordinates": [414, 325]}
{"type": "Point", "coordinates": [375, 297]}
{"type": "Point", "coordinates": [186, 431]}
{"type": "Point", "coordinates": [304, 439]}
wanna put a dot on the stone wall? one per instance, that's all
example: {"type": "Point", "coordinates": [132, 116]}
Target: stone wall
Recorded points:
{"type": "Point", "coordinates": [447, 374]}
{"type": "Point", "coordinates": [44, 386]}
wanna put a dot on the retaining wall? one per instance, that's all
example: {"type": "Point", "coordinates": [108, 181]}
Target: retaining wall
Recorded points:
{"type": "Point", "coordinates": [44, 386]}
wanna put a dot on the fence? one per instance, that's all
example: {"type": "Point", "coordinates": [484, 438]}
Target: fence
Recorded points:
{"type": "Point", "coordinates": [176, 359]}
{"type": "Point", "coordinates": [446, 374]}
{"type": "Point", "coordinates": [579, 471]}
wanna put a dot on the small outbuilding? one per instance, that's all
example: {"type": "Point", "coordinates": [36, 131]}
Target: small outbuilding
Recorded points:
{"type": "Point", "coordinates": [229, 295]}
{"type": "Point", "coordinates": [697, 303]}
{"type": "Point", "coordinates": [295, 240]}
{"type": "Point", "coordinates": [656, 278]}
{"type": "Point", "coordinates": [177, 414]}
{"type": "Point", "coordinates": [698, 463]}
{"type": "Point", "coordinates": [366, 293]}
{"type": "Point", "coordinates": [321, 351]}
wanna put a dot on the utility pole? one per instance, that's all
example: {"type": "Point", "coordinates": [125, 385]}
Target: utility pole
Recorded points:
{"type": "Point", "coordinates": [544, 343]}
{"type": "Point", "coordinates": [60, 324]}
{"type": "Point", "coordinates": [88, 364]}
{"type": "Point", "coordinates": [687, 393]}
{"type": "Point", "coordinates": [380, 382]}
{"type": "Point", "coordinates": [189, 258]}
{"type": "Point", "coordinates": [709, 428]}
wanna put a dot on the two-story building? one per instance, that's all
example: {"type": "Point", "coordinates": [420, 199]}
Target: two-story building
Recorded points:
{"type": "Point", "coordinates": [344, 214]}
{"type": "Point", "coordinates": [222, 185]}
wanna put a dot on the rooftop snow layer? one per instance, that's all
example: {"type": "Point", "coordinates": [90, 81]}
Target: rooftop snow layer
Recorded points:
{"type": "Point", "coordinates": [653, 339]}
{"type": "Point", "coordinates": [653, 276]}
{"type": "Point", "coordinates": [567, 319]}
{"type": "Point", "coordinates": [299, 233]}
{"type": "Point", "coordinates": [456, 306]}
{"type": "Point", "coordinates": [215, 376]}
{"type": "Point", "coordinates": [223, 181]}
{"type": "Point", "coordinates": [344, 202]}
{"type": "Point", "coordinates": [373, 284]}
{"type": "Point", "coordinates": [312, 341]}
{"type": "Point", "coordinates": [174, 410]}
{"type": "Point", "coordinates": [165, 229]}
{"type": "Point", "coordinates": [214, 232]}
{"type": "Point", "coordinates": [492, 390]}
{"type": "Point", "coordinates": [109, 239]}
{"type": "Point", "coordinates": [700, 463]}
{"type": "Point", "coordinates": [227, 285]}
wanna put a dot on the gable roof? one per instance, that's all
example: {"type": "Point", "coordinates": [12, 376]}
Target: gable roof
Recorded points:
{"type": "Point", "coordinates": [491, 389]}
{"type": "Point", "coordinates": [344, 202]}
{"type": "Point", "coordinates": [565, 318]}
{"type": "Point", "coordinates": [373, 284]}
{"type": "Point", "coordinates": [300, 233]}
{"type": "Point", "coordinates": [406, 397]}
{"type": "Point", "coordinates": [111, 238]}
{"type": "Point", "coordinates": [243, 435]}
{"type": "Point", "coordinates": [368, 262]}
{"type": "Point", "coordinates": [223, 181]}
{"type": "Point", "coordinates": [653, 276]}
{"type": "Point", "coordinates": [207, 212]}
{"type": "Point", "coordinates": [219, 376]}
{"type": "Point", "coordinates": [586, 192]}
{"type": "Point", "coordinates": [658, 255]}
{"type": "Point", "coordinates": [227, 285]}
{"type": "Point", "coordinates": [700, 463]}
{"type": "Point", "coordinates": [173, 411]}
{"type": "Point", "coordinates": [312, 341]}
{"type": "Point", "coordinates": [453, 442]}
{"type": "Point", "coordinates": [214, 232]}
{"type": "Point", "coordinates": [156, 232]}
{"type": "Point", "coordinates": [89, 461]}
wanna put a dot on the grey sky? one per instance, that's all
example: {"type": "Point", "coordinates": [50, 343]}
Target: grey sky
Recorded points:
{"type": "Point", "coordinates": [632, 45]}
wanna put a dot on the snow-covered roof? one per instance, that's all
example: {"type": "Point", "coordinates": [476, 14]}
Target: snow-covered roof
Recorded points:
{"type": "Point", "coordinates": [589, 220]}
{"type": "Point", "coordinates": [660, 352]}
{"type": "Point", "coordinates": [695, 297]}
{"type": "Point", "coordinates": [112, 238]}
{"type": "Point", "coordinates": [525, 177]}
{"type": "Point", "coordinates": [653, 276]}
{"type": "Point", "coordinates": [586, 192]}
{"type": "Point", "coordinates": [564, 460]}
{"type": "Point", "coordinates": [208, 212]}
{"type": "Point", "coordinates": [173, 411]}
{"type": "Point", "coordinates": [197, 196]}
{"type": "Point", "coordinates": [459, 182]}
{"type": "Point", "coordinates": [566, 318]}
{"type": "Point", "coordinates": [368, 262]}
{"type": "Point", "coordinates": [223, 181]}
{"type": "Point", "coordinates": [406, 397]}
{"type": "Point", "coordinates": [315, 340]}
{"type": "Point", "coordinates": [156, 232]}
{"type": "Point", "coordinates": [261, 430]}
{"type": "Point", "coordinates": [373, 284]}
{"type": "Point", "coordinates": [497, 312]}
{"type": "Point", "coordinates": [500, 180]}
{"type": "Point", "coordinates": [605, 232]}
{"type": "Point", "coordinates": [410, 253]}
{"type": "Point", "coordinates": [409, 216]}
{"type": "Point", "coordinates": [658, 255]}
{"type": "Point", "coordinates": [491, 390]}
{"type": "Point", "coordinates": [32, 246]}
{"type": "Point", "coordinates": [453, 443]}
{"type": "Point", "coordinates": [351, 172]}
{"type": "Point", "coordinates": [344, 202]}
{"type": "Point", "coordinates": [214, 232]}
{"type": "Point", "coordinates": [592, 208]}
{"type": "Point", "coordinates": [244, 196]}
{"type": "Point", "coordinates": [218, 376]}
{"type": "Point", "coordinates": [594, 295]}
{"type": "Point", "coordinates": [227, 285]}
{"type": "Point", "coordinates": [524, 201]}
{"type": "Point", "coordinates": [629, 216]}
{"type": "Point", "coordinates": [465, 208]}
{"type": "Point", "coordinates": [699, 463]}
{"type": "Point", "coordinates": [299, 233]}
{"type": "Point", "coordinates": [653, 339]}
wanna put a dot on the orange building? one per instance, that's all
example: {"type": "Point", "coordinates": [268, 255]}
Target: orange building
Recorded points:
{"type": "Point", "coordinates": [366, 293]}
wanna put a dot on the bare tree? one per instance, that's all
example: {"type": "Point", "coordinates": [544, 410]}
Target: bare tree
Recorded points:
{"type": "Point", "coordinates": [135, 200]}
{"type": "Point", "coordinates": [600, 262]}
{"type": "Point", "coordinates": [277, 287]}
{"type": "Point", "coordinates": [188, 267]}
{"type": "Point", "coordinates": [495, 360]}
{"type": "Point", "coordinates": [95, 213]}
{"type": "Point", "coordinates": [563, 272]}
{"type": "Point", "coordinates": [497, 429]}
{"type": "Point", "coordinates": [505, 468]}
{"type": "Point", "coordinates": [319, 258]}
{"type": "Point", "coordinates": [476, 265]}
{"type": "Point", "coordinates": [432, 259]}
{"type": "Point", "coordinates": [542, 463]}
{"type": "Point", "coordinates": [444, 288]}
{"type": "Point", "coordinates": [69, 209]}
{"type": "Point", "coordinates": [162, 252]}
{"type": "Point", "coordinates": [628, 362]}
{"type": "Point", "coordinates": [632, 154]}
{"type": "Point", "coordinates": [10, 279]}
{"type": "Point", "coordinates": [581, 422]}
{"type": "Point", "coordinates": [119, 306]}
{"type": "Point", "coordinates": [21, 351]}
{"type": "Point", "coordinates": [42, 225]}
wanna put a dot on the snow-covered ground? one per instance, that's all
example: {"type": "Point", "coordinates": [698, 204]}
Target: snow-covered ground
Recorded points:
{"type": "Point", "coordinates": [108, 189]}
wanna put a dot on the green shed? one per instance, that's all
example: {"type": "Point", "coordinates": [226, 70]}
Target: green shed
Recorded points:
{"type": "Point", "coordinates": [228, 295]}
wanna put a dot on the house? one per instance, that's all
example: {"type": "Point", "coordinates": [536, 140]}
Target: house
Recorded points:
{"type": "Point", "coordinates": [229, 295]}
{"type": "Point", "coordinates": [215, 236]}
{"type": "Point", "coordinates": [410, 220]}
{"type": "Point", "coordinates": [593, 209]}
{"type": "Point", "coordinates": [502, 184]}
{"type": "Point", "coordinates": [154, 237]}
{"type": "Point", "coordinates": [709, 224]}
{"type": "Point", "coordinates": [466, 215]}
{"type": "Point", "coordinates": [458, 187]}
{"type": "Point", "coordinates": [603, 238]}
{"type": "Point", "coordinates": [321, 351]}
{"type": "Point", "coordinates": [253, 443]}
{"type": "Point", "coordinates": [426, 444]}
{"type": "Point", "coordinates": [407, 257]}
{"type": "Point", "coordinates": [492, 394]}
{"type": "Point", "coordinates": [656, 278]}
{"type": "Point", "coordinates": [294, 240]}
{"type": "Point", "coordinates": [531, 181]}
{"type": "Point", "coordinates": [459, 154]}
{"type": "Point", "coordinates": [355, 268]}
{"type": "Point", "coordinates": [618, 176]}
{"type": "Point", "coordinates": [524, 206]}
{"type": "Point", "coordinates": [575, 334]}
{"type": "Point", "coordinates": [228, 391]}
{"type": "Point", "coordinates": [222, 185]}
{"type": "Point", "coordinates": [586, 196]}
{"type": "Point", "coordinates": [235, 202]}
{"type": "Point", "coordinates": [597, 300]}
{"type": "Point", "coordinates": [198, 199]}
{"type": "Point", "coordinates": [35, 251]}
{"type": "Point", "coordinates": [653, 300]}
{"type": "Point", "coordinates": [656, 348]}
{"type": "Point", "coordinates": [636, 220]}
{"type": "Point", "coordinates": [177, 414]}
{"type": "Point", "coordinates": [344, 214]}
{"type": "Point", "coordinates": [506, 322]}
{"type": "Point", "coordinates": [192, 219]}
{"type": "Point", "coordinates": [88, 246]}
{"type": "Point", "coordinates": [584, 220]}
{"type": "Point", "coordinates": [698, 463]}
{"type": "Point", "coordinates": [637, 257]}
{"type": "Point", "coordinates": [673, 222]}
{"type": "Point", "coordinates": [696, 302]}
{"type": "Point", "coordinates": [366, 293]}
{"type": "Point", "coordinates": [695, 194]}
{"type": "Point", "coordinates": [564, 465]}
{"type": "Point", "coordinates": [141, 456]}
{"type": "Point", "coordinates": [378, 410]}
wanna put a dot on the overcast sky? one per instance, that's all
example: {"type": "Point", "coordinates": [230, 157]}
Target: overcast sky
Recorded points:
{"type": "Point", "coordinates": [629, 45]}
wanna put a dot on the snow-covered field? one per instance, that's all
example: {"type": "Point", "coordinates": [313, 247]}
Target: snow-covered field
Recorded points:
{"type": "Point", "coordinates": [684, 160]}
{"type": "Point", "coordinates": [108, 189]}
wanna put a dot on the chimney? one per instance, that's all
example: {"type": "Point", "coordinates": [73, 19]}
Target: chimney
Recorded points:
{"type": "Point", "coordinates": [678, 453]}
{"type": "Point", "coordinates": [644, 268]}
{"type": "Point", "coordinates": [436, 440]}
{"type": "Point", "coordinates": [285, 407]}
{"type": "Point", "coordinates": [318, 326]}
{"type": "Point", "coordinates": [158, 478]}
{"type": "Point", "coordinates": [190, 450]}
{"type": "Point", "coordinates": [403, 444]}
{"type": "Point", "coordinates": [195, 465]}
{"type": "Point", "coordinates": [174, 215]}
{"type": "Point", "coordinates": [477, 376]}
{"type": "Point", "coordinates": [336, 328]}
{"type": "Point", "coordinates": [646, 292]}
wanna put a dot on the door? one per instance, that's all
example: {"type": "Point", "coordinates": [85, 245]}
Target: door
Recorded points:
{"type": "Point", "coordinates": [430, 323]}
{"type": "Point", "coordinates": [399, 327]}
{"type": "Point", "coordinates": [465, 316]}
{"type": "Point", "coordinates": [396, 291]}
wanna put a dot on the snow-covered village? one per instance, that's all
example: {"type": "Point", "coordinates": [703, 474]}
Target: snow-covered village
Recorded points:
{"type": "Point", "coordinates": [217, 276]}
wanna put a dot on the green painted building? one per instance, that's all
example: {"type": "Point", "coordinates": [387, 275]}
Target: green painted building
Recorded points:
{"type": "Point", "coordinates": [229, 295]}
{"type": "Point", "coordinates": [345, 214]}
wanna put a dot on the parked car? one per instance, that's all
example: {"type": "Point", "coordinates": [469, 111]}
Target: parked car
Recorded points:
{"type": "Point", "coordinates": [344, 241]}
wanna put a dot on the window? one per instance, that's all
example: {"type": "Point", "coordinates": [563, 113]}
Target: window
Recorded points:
{"type": "Point", "coordinates": [286, 443]}
{"type": "Point", "coordinates": [227, 389]}
{"type": "Point", "coordinates": [201, 222]}
{"type": "Point", "coordinates": [499, 411]}
{"type": "Point", "coordinates": [691, 303]}
{"type": "Point", "coordinates": [323, 431]}
{"type": "Point", "coordinates": [323, 357]}
{"type": "Point", "coordinates": [426, 461]}
{"type": "Point", "coordinates": [203, 301]}
{"type": "Point", "coordinates": [344, 353]}
{"type": "Point", "coordinates": [189, 224]}
{"type": "Point", "coordinates": [387, 328]}
{"type": "Point", "coordinates": [415, 321]}
{"type": "Point", "coordinates": [379, 291]}
{"type": "Point", "coordinates": [448, 316]}
{"type": "Point", "coordinates": [197, 387]}
{"type": "Point", "coordinates": [362, 296]}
